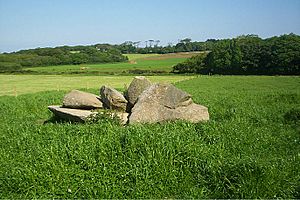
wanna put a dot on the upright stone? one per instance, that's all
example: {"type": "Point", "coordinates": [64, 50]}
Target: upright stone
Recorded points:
{"type": "Point", "coordinates": [81, 100]}
{"type": "Point", "coordinates": [136, 87]}
{"type": "Point", "coordinates": [112, 99]}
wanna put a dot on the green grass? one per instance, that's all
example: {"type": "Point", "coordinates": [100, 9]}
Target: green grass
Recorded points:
{"type": "Point", "coordinates": [112, 68]}
{"type": "Point", "coordinates": [249, 149]}
{"type": "Point", "coordinates": [23, 84]}
{"type": "Point", "coordinates": [135, 56]}
{"type": "Point", "coordinates": [138, 62]}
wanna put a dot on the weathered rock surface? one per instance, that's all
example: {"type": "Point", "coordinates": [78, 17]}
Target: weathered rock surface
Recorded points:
{"type": "Point", "coordinates": [146, 103]}
{"type": "Point", "coordinates": [166, 95]}
{"type": "Point", "coordinates": [76, 115]}
{"type": "Point", "coordinates": [79, 115]}
{"type": "Point", "coordinates": [164, 102]}
{"type": "Point", "coordinates": [112, 99]}
{"type": "Point", "coordinates": [82, 100]}
{"type": "Point", "coordinates": [193, 113]}
{"type": "Point", "coordinates": [136, 87]}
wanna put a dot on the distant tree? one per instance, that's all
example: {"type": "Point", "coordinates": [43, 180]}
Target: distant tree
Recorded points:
{"type": "Point", "coordinates": [248, 54]}
{"type": "Point", "coordinates": [156, 43]}
{"type": "Point", "coordinates": [186, 40]}
{"type": "Point", "coordinates": [236, 57]}
{"type": "Point", "coordinates": [150, 42]}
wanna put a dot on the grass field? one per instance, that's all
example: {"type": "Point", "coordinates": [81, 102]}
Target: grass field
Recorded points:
{"type": "Point", "coordinates": [150, 62]}
{"type": "Point", "coordinates": [22, 84]}
{"type": "Point", "coordinates": [249, 149]}
{"type": "Point", "coordinates": [134, 56]}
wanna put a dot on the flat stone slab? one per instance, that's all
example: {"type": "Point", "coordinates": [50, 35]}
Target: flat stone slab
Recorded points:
{"type": "Point", "coordinates": [79, 115]}
{"type": "Point", "coordinates": [71, 114]}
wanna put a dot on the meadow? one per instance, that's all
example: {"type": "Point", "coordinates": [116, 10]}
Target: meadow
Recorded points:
{"type": "Point", "coordinates": [22, 84]}
{"type": "Point", "coordinates": [146, 63]}
{"type": "Point", "coordinates": [249, 148]}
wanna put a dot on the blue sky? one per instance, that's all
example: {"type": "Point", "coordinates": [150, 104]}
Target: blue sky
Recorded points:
{"type": "Point", "coordinates": [41, 23]}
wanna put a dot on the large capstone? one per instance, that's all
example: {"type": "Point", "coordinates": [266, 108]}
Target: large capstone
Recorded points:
{"type": "Point", "coordinates": [81, 100]}
{"type": "Point", "coordinates": [164, 102]}
{"type": "Point", "coordinates": [112, 99]}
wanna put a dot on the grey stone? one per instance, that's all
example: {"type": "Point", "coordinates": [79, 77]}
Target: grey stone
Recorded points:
{"type": "Point", "coordinates": [166, 95]}
{"type": "Point", "coordinates": [172, 97]}
{"type": "Point", "coordinates": [192, 113]}
{"type": "Point", "coordinates": [136, 87]}
{"type": "Point", "coordinates": [164, 102]}
{"type": "Point", "coordinates": [112, 99]}
{"type": "Point", "coordinates": [82, 100]}
{"type": "Point", "coordinates": [77, 115]}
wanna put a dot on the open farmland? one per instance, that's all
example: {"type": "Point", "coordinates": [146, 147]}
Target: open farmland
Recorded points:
{"type": "Point", "coordinates": [23, 84]}
{"type": "Point", "coordinates": [150, 63]}
{"type": "Point", "coordinates": [249, 148]}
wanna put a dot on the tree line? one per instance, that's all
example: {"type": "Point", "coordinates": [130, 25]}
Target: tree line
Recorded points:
{"type": "Point", "coordinates": [152, 46]}
{"type": "Point", "coordinates": [98, 53]}
{"type": "Point", "coordinates": [64, 55]}
{"type": "Point", "coordinates": [247, 54]}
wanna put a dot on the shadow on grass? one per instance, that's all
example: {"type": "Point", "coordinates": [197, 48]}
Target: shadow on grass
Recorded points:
{"type": "Point", "coordinates": [97, 119]}
{"type": "Point", "coordinates": [292, 116]}
{"type": "Point", "coordinates": [57, 120]}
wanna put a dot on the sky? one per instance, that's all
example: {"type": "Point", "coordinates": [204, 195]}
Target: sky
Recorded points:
{"type": "Point", "coordinates": [47, 23]}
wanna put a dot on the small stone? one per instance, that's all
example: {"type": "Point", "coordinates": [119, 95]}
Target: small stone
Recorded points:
{"type": "Point", "coordinates": [81, 100]}
{"type": "Point", "coordinates": [136, 87]}
{"type": "Point", "coordinates": [112, 99]}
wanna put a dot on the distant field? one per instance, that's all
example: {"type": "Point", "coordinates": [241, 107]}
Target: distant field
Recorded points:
{"type": "Point", "coordinates": [161, 56]}
{"type": "Point", "coordinates": [170, 55]}
{"type": "Point", "coordinates": [135, 56]}
{"type": "Point", "coordinates": [22, 84]}
{"type": "Point", "coordinates": [162, 63]}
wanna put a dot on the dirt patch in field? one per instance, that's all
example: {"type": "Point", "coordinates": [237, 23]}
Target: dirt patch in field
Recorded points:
{"type": "Point", "coordinates": [173, 55]}
{"type": "Point", "coordinates": [132, 62]}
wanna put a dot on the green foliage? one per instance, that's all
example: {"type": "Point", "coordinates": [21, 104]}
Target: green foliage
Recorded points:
{"type": "Point", "coordinates": [249, 55]}
{"type": "Point", "coordinates": [195, 64]}
{"type": "Point", "coordinates": [58, 56]}
{"type": "Point", "coordinates": [9, 66]}
{"type": "Point", "coordinates": [247, 149]}
{"type": "Point", "coordinates": [105, 116]}
{"type": "Point", "coordinates": [184, 45]}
